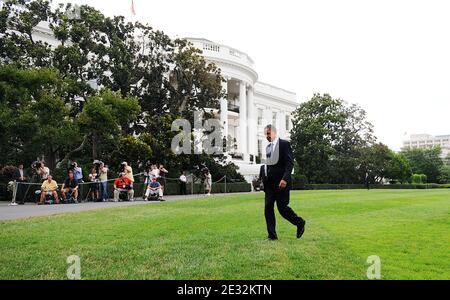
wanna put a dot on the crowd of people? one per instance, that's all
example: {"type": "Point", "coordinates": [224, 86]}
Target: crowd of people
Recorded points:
{"type": "Point", "coordinates": [97, 181]}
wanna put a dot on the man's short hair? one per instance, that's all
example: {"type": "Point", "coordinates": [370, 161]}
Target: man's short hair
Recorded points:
{"type": "Point", "coordinates": [271, 127]}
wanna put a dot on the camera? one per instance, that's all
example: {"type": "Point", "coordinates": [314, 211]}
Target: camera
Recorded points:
{"type": "Point", "coordinates": [72, 166]}
{"type": "Point", "coordinates": [96, 164]}
{"type": "Point", "coordinates": [35, 166]}
{"type": "Point", "coordinates": [122, 168]}
{"type": "Point", "coordinates": [200, 171]}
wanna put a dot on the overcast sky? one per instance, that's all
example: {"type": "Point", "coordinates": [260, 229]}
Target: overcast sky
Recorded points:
{"type": "Point", "coordinates": [390, 57]}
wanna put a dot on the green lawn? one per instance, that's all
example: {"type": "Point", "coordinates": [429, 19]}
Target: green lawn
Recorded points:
{"type": "Point", "coordinates": [224, 238]}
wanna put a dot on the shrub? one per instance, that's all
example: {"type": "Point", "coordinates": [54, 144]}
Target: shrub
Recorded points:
{"type": "Point", "coordinates": [6, 173]}
{"type": "Point", "coordinates": [299, 181]}
{"type": "Point", "coordinates": [419, 179]}
{"type": "Point", "coordinates": [375, 186]}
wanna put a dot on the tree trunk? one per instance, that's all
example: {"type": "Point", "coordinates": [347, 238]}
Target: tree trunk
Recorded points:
{"type": "Point", "coordinates": [67, 156]}
{"type": "Point", "coordinates": [51, 159]}
{"type": "Point", "coordinates": [94, 146]}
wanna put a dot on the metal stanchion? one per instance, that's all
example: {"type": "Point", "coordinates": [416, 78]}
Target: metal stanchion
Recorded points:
{"type": "Point", "coordinates": [13, 201]}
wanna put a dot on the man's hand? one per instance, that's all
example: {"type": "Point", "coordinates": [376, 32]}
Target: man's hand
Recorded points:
{"type": "Point", "coordinates": [283, 184]}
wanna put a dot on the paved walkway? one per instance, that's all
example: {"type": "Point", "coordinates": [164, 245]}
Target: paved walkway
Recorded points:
{"type": "Point", "coordinates": [32, 210]}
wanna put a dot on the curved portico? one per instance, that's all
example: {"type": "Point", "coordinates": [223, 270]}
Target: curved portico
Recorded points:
{"type": "Point", "coordinates": [238, 115]}
{"type": "Point", "coordinates": [247, 106]}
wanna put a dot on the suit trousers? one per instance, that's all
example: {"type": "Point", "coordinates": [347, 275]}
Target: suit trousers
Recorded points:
{"type": "Point", "coordinates": [274, 195]}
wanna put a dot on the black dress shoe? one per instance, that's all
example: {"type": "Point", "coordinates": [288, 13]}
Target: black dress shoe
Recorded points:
{"type": "Point", "coordinates": [301, 229]}
{"type": "Point", "coordinates": [272, 239]}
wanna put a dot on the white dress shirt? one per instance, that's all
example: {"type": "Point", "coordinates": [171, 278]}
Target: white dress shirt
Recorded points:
{"type": "Point", "coordinates": [274, 145]}
{"type": "Point", "coordinates": [183, 178]}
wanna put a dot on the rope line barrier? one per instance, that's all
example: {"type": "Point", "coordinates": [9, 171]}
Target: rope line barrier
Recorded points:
{"type": "Point", "coordinates": [194, 178]}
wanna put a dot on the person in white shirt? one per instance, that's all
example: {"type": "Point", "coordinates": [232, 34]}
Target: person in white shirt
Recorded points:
{"type": "Point", "coordinates": [128, 171]}
{"type": "Point", "coordinates": [155, 171]}
{"type": "Point", "coordinates": [44, 171]}
{"type": "Point", "coordinates": [103, 181]}
{"type": "Point", "coordinates": [183, 182]}
{"type": "Point", "coordinates": [208, 183]}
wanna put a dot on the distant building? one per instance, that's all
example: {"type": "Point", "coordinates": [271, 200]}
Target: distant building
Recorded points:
{"type": "Point", "coordinates": [428, 141]}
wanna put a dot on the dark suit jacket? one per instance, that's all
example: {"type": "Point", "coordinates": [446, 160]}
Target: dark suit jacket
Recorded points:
{"type": "Point", "coordinates": [280, 167]}
{"type": "Point", "coordinates": [16, 175]}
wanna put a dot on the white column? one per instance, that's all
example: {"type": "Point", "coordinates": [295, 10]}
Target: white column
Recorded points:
{"type": "Point", "coordinates": [282, 124]}
{"type": "Point", "coordinates": [243, 119]}
{"type": "Point", "coordinates": [224, 110]}
{"type": "Point", "coordinates": [267, 119]}
{"type": "Point", "coordinates": [252, 123]}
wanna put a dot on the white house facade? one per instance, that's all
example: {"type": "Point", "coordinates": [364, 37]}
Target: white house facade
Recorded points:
{"type": "Point", "coordinates": [249, 105]}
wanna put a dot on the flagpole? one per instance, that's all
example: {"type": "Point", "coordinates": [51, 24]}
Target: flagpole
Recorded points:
{"type": "Point", "coordinates": [133, 12]}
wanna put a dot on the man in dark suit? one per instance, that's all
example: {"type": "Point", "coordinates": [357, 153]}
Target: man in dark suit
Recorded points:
{"type": "Point", "coordinates": [277, 181]}
{"type": "Point", "coordinates": [20, 176]}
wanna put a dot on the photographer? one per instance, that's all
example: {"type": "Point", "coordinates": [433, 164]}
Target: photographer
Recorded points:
{"type": "Point", "coordinates": [20, 177]}
{"type": "Point", "coordinates": [103, 181]}
{"type": "Point", "coordinates": [208, 182]}
{"type": "Point", "coordinates": [77, 172]}
{"type": "Point", "coordinates": [154, 188]}
{"type": "Point", "coordinates": [127, 170]}
{"type": "Point", "coordinates": [162, 176]}
{"type": "Point", "coordinates": [42, 170]}
{"type": "Point", "coordinates": [70, 185]}
{"type": "Point", "coordinates": [94, 186]}
{"type": "Point", "coordinates": [49, 187]}
{"type": "Point", "coordinates": [155, 171]}
{"type": "Point", "coordinates": [123, 184]}
{"type": "Point", "coordinates": [183, 183]}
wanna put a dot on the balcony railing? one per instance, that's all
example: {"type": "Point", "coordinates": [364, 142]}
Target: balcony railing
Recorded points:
{"type": "Point", "coordinates": [233, 107]}
{"type": "Point", "coordinates": [237, 155]}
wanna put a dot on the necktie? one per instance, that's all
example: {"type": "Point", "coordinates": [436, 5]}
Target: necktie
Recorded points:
{"type": "Point", "coordinates": [268, 155]}
{"type": "Point", "coordinates": [269, 150]}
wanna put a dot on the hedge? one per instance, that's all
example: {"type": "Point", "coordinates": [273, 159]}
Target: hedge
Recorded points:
{"type": "Point", "coordinates": [374, 186]}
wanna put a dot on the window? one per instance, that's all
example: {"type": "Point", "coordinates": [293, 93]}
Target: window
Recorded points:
{"type": "Point", "coordinates": [260, 116]}
{"type": "Point", "coordinates": [274, 119]}
{"type": "Point", "coordinates": [259, 148]}
{"type": "Point", "coordinates": [288, 123]}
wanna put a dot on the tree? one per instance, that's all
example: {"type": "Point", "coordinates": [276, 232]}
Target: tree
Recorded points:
{"type": "Point", "coordinates": [106, 115]}
{"type": "Point", "coordinates": [34, 119]}
{"type": "Point", "coordinates": [128, 61]}
{"type": "Point", "coordinates": [327, 137]}
{"type": "Point", "coordinates": [132, 149]}
{"type": "Point", "coordinates": [425, 161]}
{"type": "Point", "coordinates": [398, 168]}
{"type": "Point", "coordinates": [444, 177]}
{"type": "Point", "coordinates": [375, 161]}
